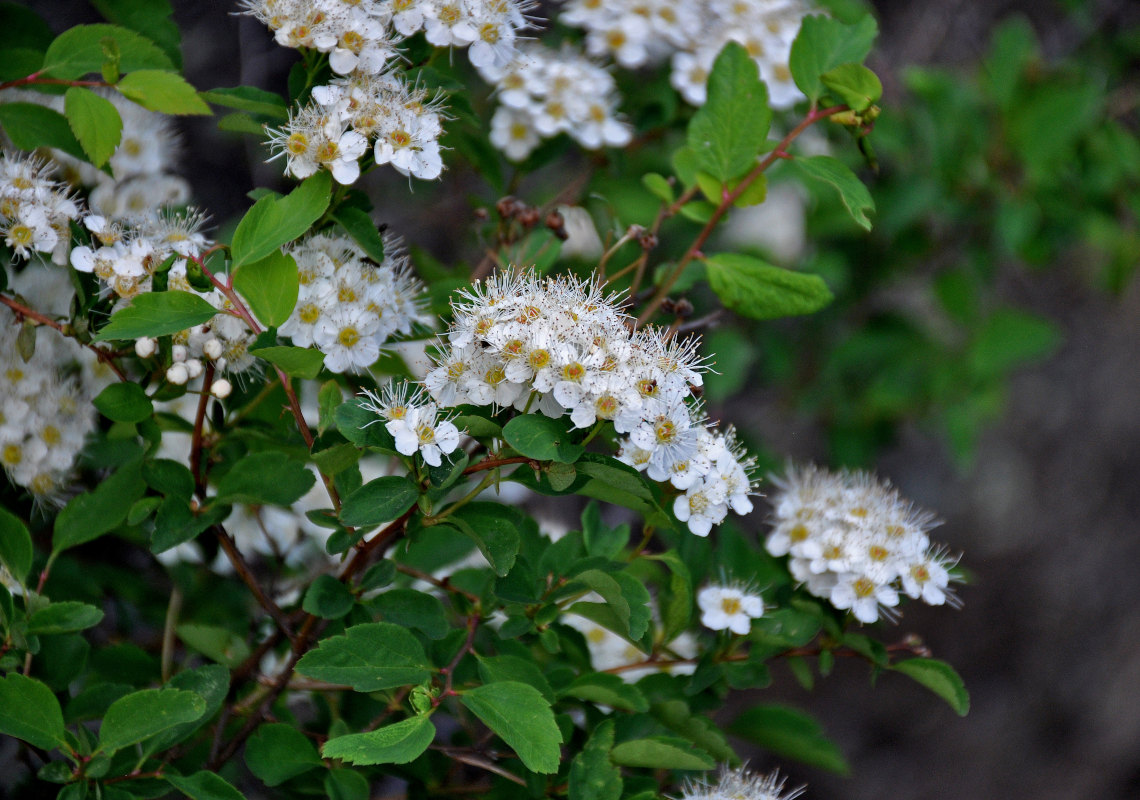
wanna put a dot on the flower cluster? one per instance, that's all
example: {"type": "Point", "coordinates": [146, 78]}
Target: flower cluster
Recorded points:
{"type": "Point", "coordinates": [34, 209]}
{"type": "Point", "coordinates": [561, 346]}
{"type": "Point", "coordinates": [414, 423]}
{"type": "Point", "coordinates": [856, 543]}
{"type": "Point", "coordinates": [45, 413]}
{"type": "Point", "coordinates": [543, 93]}
{"type": "Point", "coordinates": [729, 608]}
{"type": "Point", "coordinates": [691, 33]}
{"type": "Point", "coordinates": [740, 784]}
{"type": "Point", "coordinates": [350, 306]}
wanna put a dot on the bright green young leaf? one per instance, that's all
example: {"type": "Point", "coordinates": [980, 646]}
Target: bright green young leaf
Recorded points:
{"type": "Point", "coordinates": [522, 718]}
{"type": "Point", "coordinates": [368, 657]}
{"type": "Point", "coordinates": [273, 221]}
{"type": "Point", "coordinates": [393, 744]}
{"type": "Point", "coordinates": [542, 438]}
{"type": "Point", "coordinates": [165, 92]}
{"type": "Point", "coordinates": [824, 43]}
{"type": "Point", "coordinates": [754, 289]}
{"type": "Point", "coordinates": [592, 775]}
{"type": "Point", "coordinates": [29, 711]}
{"type": "Point", "coordinates": [856, 199]}
{"type": "Point", "coordinates": [248, 98]}
{"type": "Point", "coordinates": [493, 529]}
{"type": "Point", "coordinates": [92, 514]}
{"type": "Point", "coordinates": [940, 678]}
{"type": "Point", "coordinates": [218, 644]}
{"type": "Point", "coordinates": [30, 125]}
{"type": "Point", "coordinates": [854, 85]}
{"type": "Point", "coordinates": [606, 689]}
{"type": "Point", "coordinates": [15, 545]}
{"type": "Point", "coordinates": [361, 227]}
{"type": "Point", "coordinates": [157, 314]}
{"type": "Point", "coordinates": [268, 478]}
{"type": "Point", "coordinates": [124, 402]}
{"type": "Point", "coordinates": [300, 362]}
{"type": "Point", "coordinates": [270, 285]}
{"type": "Point", "coordinates": [204, 786]}
{"type": "Point", "coordinates": [278, 752]}
{"type": "Point", "coordinates": [791, 734]}
{"type": "Point", "coordinates": [409, 608]}
{"type": "Point", "coordinates": [95, 122]}
{"type": "Point", "coordinates": [659, 186]}
{"type": "Point", "coordinates": [151, 18]}
{"type": "Point", "coordinates": [142, 714]}
{"type": "Point", "coordinates": [65, 617]}
{"type": "Point", "coordinates": [79, 50]}
{"type": "Point", "coordinates": [379, 500]}
{"type": "Point", "coordinates": [726, 134]}
{"type": "Point", "coordinates": [661, 752]}
{"type": "Point", "coordinates": [328, 598]}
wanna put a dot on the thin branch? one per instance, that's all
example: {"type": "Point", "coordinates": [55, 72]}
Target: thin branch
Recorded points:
{"type": "Point", "coordinates": [475, 760]}
{"type": "Point", "coordinates": [22, 310]}
{"type": "Point", "coordinates": [241, 567]}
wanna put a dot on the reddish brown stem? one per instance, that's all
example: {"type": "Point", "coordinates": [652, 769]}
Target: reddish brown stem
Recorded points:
{"type": "Point", "coordinates": [23, 311]}
{"type": "Point", "coordinates": [34, 78]}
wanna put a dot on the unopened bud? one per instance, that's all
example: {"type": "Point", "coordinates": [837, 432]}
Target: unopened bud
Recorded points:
{"type": "Point", "coordinates": [221, 388]}
{"type": "Point", "coordinates": [145, 347]}
{"type": "Point", "coordinates": [193, 367]}
{"type": "Point", "coordinates": [528, 216]}
{"type": "Point", "coordinates": [178, 352]}
{"type": "Point", "coordinates": [213, 349]}
{"type": "Point", "coordinates": [178, 374]}
{"type": "Point", "coordinates": [557, 223]}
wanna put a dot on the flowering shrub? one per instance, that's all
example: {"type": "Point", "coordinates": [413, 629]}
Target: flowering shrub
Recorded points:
{"type": "Point", "coordinates": [319, 464]}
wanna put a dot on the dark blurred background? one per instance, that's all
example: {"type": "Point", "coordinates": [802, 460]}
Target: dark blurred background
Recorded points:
{"type": "Point", "coordinates": [1046, 511]}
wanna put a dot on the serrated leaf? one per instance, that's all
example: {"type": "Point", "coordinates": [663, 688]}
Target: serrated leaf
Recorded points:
{"type": "Point", "coordinates": [328, 598]}
{"type": "Point", "coordinates": [940, 678]}
{"type": "Point", "coordinates": [273, 221]}
{"type": "Point", "coordinates": [726, 134]}
{"type": "Point", "coordinates": [248, 98]}
{"type": "Point", "coordinates": [29, 711]}
{"type": "Point", "coordinates": [592, 775]}
{"type": "Point", "coordinates": [521, 717]}
{"type": "Point", "coordinates": [162, 91]}
{"type": "Point", "coordinates": [368, 657]}
{"type": "Point", "coordinates": [791, 734]}
{"type": "Point", "coordinates": [393, 744]}
{"type": "Point", "coordinates": [151, 18]}
{"type": "Point", "coordinates": [607, 690]}
{"type": "Point", "coordinates": [79, 50]}
{"type": "Point", "coordinates": [30, 125]}
{"type": "Point", "coordinates": [514, 668]}
{"type": "Point", "coordinates": [211, 683]}
{"type": "Point", "coordinates": [67, 617]}
{"type": "Point", "coordinates": [92, 514]}
{"type": "Point", "coordinates": [361, 227]}
{"type": "Point", "coordinates": [278, 752]}
{"type": "Point", "coordinates": [15, 545]}
{"type": "Point", "coordinates": [824, 43]}
{"type": "Point", "coordinates": [758, 290]}
{"type": "Point", "coordinates": [493, 529]}
{"type": "Point", "coordinates": [204, 786]}
{"type": "Point", "coordinates": [157, 314]}
{"type": "Point", "coordinates": [271, 286]}
{"type": "Point", "coordinates": [95, 122]}
{"type": "Point", "coordinates": [542, 438]}
{"type": "Point", "coordinates": [142, 714]}
{"type": "Point", "coordinates": [854, 85]}
{"type": "Point", "coordinates": [124, 402]}
{"type": "Point", "coordinates": [661, 752]}
{"type": "Point", "coordinates": [854, 195]}
{"type": "Point", "coordinates": [268, 478]}
{"type": "Point", "coordinates": [380, 500]}
{"type": "Point", "coordinates": [409, 608]}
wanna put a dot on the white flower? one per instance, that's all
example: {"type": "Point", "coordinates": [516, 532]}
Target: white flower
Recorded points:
{"type": "Point", "coordinates": [419, 430]}
{"type": "Point", "coordinates": [729, 608]}
{"type": "Point", "coordinates": [346, 335]}
{"type": "Point", "coordinates": [739, 784]}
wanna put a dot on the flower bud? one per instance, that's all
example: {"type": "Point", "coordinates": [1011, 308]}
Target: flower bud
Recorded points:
{"type": "Point", "coordinates": [178, 352]}
{"type": "Point", "coordinates": [221, 388]}
{"type": "Point", "coordinates": [213, 349]}
{"type": "Point", "coordinates": [193, 367]}
{"type": "Point", "coordinates": [145, 347]}
{"type": "Point", "coordinates": [178, 374]}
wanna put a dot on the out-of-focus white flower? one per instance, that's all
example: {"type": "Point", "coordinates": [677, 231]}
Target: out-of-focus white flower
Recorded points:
{"type": "Point", "coordinates": [729, 608]}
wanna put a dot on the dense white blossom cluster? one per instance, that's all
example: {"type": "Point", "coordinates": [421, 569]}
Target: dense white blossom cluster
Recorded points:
{"type": "Point", "coordinates": [691, 33]}
{"type": "Point", "coordinates": [740, 784]}
{"type": "Point", "coordinates": [561, 346]}
{"type": "Point", "coordinates": [414, 422]}
{"type": "Point", "coordinates": [856, 543]}
{"type": "Point", "coordinates": [349, 306]}
{"type": "Point", "coordinates": [543, 93]}
{"type": "Point", "coordinates": [45, 408]}
{"type": "Point", "coordinates": [34, 209]}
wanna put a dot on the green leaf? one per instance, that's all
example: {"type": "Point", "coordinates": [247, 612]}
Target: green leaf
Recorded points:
{"type": "Point", "coordinates": [592, 775]}
{"type": "Point", "coordinates": [168, 477]}
{"type": "Point", "coordinates": [493, 529]}
{"type": "Point", "coordinates": [248, 98]}
{"type": "Point", "coordinates": [270, 285]}
{"type": "Point", "coordinates": [162, 91]}
{"type": "Point", "coordinates": [677, 603]}
{"type": "Point", "coordinates": [218, 644]}
{"type": "Point", "coordinates": [514, 668]}
{"type": "Point", "coordinates": [361, 227]}
{"type": "Point", "coordinates": [791, 734]}
{"type": "Point", "coordinates": [940, 678]}
{"type": "Point", "coordinates": [176, 523]}
{"type": "Point", "coordinates": [697, 728]}
{"type": "Point", "coordinates": [157, 314]}
{"type": "Point", "coordinates": [268, 478]}
{"type": "Point", "coordinates": [411, 609]}
{"type": "Point", "coordinates": [273, 221]}
{"type": "Point", "coordinates": [151, 18]}
{"type": "Point", "coordinates": [29, 711]}
{"type": "Point", "coordinates": [522, 718]}
{"type": "Point", "coordinates": [30, 125]}
{"type": "Point", "coordinates": [124, 402]}
{"type": "Point", "coordinates": [370, 657]}
{"type": "Point", "coordinates": [300, 362]}
{"type": "Point", "coordinates": [824, 43]}
{"type": "Point", "coordinates": [79, 50]}
{"type": "Point", "coordinates": [856, 199]}
{"type": "Point", "coordinates": [346, 784]}
{"type": "Point", "coordinates": [661, 752]}
{"type": "Point", "coordinates": [15, 545]}
{"type": "Point", "coordinates": [328, 598]}
{"type": "Point", "coordinates": [336, 459]}
{"type": "Point", "coordinates": [211, 683]}
{"type": "Point", "coordinates": [204, 786]}
{"type": "Point", "coordinates": [393, 744]}
{"type": "Point", "coordinates": [726, 134]}
{"type": "Point", "coordinates": [606, 689]}
{"type": "Point", "coordinates": [379, 500]}
{"type": "Point", "coordinates": [92, 514]}
{"type": "Point", "coordinates": [66, 617]}
{"type": "Point", "coordinates": [659, 186]}
{"type": "Point", "coordinates": [758, 290]}
{"type": "Point", "coordinates": [362, 427]}
{"type": "Point", "coordinates": [626, 598]}
{"type": "Point", "coordinates": [278, 752]}
{"type": "Point", "coordinates": [95, 122]}
{"type": "Point", "coordinates": [1009, 338]}
{"type": "Point", "coordinates": [142, 714]}
{"type": "Point", "coordinates": [542, 438]}
{"type": "Point", "coordinates": [854, 85]}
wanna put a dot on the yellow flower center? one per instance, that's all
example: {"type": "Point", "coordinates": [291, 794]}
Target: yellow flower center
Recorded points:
{"type": "Point", "coordinates": [730, 605]}
{"type": "Point", "coordinates": [573, 372]}
{"type": "Point", "coordinates": [297, 144]}
{"type": "Point", "coordinates": [348, 337]}
{"type": "Point", "coordinates": [538, 359]}
{"type": "Point", "coordinates": [864, 587]}
{"type": "Point", "coordinates": [51, 435]}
